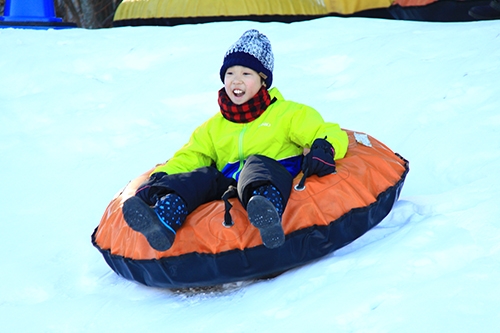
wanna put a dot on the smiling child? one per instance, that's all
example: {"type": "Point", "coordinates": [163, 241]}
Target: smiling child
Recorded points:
{"type": "Point", "coordinates": [254, 144]}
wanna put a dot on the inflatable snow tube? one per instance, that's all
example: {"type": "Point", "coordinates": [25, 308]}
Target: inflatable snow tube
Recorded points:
{"type": "Point", "coordinates": [329, 213]}
{"type": "Point", "coordinates": [174, 12]}
{"type": "Point", "coordinates": [435, 10]}
{"type": "Point", "coordinates": [347, 7]}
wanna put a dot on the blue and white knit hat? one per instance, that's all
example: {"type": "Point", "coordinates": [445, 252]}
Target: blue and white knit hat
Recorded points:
{"type": "Point", "coordinates": [252, 50]}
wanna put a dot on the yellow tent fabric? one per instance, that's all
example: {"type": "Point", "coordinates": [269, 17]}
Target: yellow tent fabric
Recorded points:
{"type": "Point", "coordinates": [148, 9]}
{"type": "Point", "coordinates": [347, 7]}
{"type": "Point", "coordinates": [177, 9]}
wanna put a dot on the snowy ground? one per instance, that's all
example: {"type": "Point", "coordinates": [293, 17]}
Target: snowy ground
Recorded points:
{"type": "Point", "coordinates": [84, 111]}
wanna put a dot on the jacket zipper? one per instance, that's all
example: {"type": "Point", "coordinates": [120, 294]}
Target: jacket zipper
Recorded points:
{"type": "Point", "coordinates": [241, 156]}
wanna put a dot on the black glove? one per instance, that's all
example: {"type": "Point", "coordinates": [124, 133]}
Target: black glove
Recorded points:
{"type": "Point", "coordinates": [148, 192]}
{"type": "Point", "coordinates": [320, 160]}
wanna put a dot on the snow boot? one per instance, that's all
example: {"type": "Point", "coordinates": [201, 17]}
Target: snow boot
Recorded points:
{"type": "Point", "coordinates": [158, 224]}
{"type": "Point", "coordinates": [265, 209]}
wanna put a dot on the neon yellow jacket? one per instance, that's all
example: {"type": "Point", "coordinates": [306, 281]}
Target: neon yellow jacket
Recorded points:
{"type": "Point", "coordinates": [281, 133]}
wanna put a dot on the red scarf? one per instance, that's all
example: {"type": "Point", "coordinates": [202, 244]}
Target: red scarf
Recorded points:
{"type": "Point", "coordinates": [245, 112]}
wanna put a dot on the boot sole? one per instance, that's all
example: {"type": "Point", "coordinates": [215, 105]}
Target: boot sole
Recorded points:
{"type": "Point", "coordinates": [142, 218]}
{"type": "Point", "coordinates": [263, 216]}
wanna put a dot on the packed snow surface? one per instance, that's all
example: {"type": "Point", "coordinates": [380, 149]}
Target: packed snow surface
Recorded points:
{"type": "Point", "coordinates": [84, 111]}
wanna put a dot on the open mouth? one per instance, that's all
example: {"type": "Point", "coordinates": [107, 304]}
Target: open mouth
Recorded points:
{"type": "Point", "coordinates": [238, 92]}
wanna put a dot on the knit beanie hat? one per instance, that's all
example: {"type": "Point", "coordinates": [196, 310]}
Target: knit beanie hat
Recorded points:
{"type": "Point", "coordinates": [252, 50]}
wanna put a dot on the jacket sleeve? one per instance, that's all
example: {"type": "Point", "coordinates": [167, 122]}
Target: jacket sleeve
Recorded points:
{"type": "Point", "coordinates": [308, 124]}
{"type": "Point", "coordinates": [197, 153]}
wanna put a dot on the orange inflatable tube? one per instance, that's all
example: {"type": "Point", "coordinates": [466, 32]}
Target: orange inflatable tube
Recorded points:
{"type": "Point", "coordinates": [329, 213]}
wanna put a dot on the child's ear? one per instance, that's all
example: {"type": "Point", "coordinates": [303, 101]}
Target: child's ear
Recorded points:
{"type": "Point", "coordinates": [263, 78]}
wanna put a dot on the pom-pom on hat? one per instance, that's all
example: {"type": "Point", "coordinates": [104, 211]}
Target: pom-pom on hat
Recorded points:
{"type": "Point", "coordinates": [252, 50]}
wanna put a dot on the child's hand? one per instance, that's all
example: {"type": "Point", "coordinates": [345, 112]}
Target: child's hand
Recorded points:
{"type": "Point", "coordinates": [320, 160]}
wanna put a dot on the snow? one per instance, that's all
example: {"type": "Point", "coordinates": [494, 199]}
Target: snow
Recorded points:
{"type": "Point", "coordinates": [85, 111]}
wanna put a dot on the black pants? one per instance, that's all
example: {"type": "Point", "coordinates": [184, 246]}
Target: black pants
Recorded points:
{"type": "Point", "coordinates": [208, 184]}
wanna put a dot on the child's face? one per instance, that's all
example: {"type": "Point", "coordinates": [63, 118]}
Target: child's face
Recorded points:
{"type": "Point", "coordinates": [241, 83]}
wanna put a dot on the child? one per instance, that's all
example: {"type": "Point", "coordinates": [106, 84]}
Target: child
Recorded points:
{"type": "Point", "coordinates": [255, 143]}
